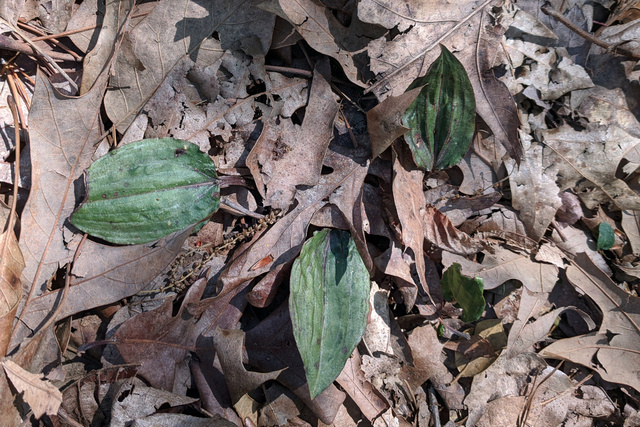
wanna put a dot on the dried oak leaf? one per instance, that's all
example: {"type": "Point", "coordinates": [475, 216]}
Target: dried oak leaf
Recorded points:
{"type": "Point", "coordinates": [612, 350]}
{"type": "Point", "coordinates": [502, 265]}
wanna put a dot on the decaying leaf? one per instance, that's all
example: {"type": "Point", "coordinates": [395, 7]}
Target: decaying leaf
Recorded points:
{"type": "Point", "coordinates": [42, 396]}
{"type": "Point", "coordinates": [11, 265]}
{"type": "Point", "coordinates": [611, 350]}
{"type": "Point", "coordinates": [503, 265]}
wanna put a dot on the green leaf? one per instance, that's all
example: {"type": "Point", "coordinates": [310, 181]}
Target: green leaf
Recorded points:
{"type": "Point", "coordinates": [146, 190]}
{"type": "Point", "coordinates": [329, 305]}
{"type": "Point", "coordinates": [466, 291]}
{"type": "Point", "coordinates": [441, 120]}
{"type": "Point", "coordinates": [606, 236]}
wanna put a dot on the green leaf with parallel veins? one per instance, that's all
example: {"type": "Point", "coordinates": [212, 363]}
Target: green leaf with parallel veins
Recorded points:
{"type": "Point", "coordinates": [146, 190]}
{"type": "Point", "coordinates": [466, 291]}
{"type": "Point", "coordinates": [606, 236]}
{"type": "Point", "coordinates": [329, 305]}
{"type": "Point", "coordinates": [441, 120]}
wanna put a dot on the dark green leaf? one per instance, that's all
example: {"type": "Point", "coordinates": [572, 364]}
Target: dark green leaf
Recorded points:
{"type": "Point", "coordinates": [441, 120]}
{"type": "Point", "coordinates": [606, 236]}
{"type": "Point", "coordinates": [146, 190]}
{"type": "Point", "coordinates": [329, 305]}
{"type": "Point", "coordinates": [465, 291]}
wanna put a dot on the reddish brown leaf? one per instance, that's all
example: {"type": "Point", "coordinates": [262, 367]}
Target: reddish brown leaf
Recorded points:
{"type": "Point", "coordinates": [440, 232]}
{"type": "Point", "coordinates": [369, 400]}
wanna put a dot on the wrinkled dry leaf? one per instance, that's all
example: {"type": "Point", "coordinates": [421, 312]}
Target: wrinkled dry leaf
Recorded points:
{"type": "Point", "coordinates": [148, 55]}
{"type": "Point", "coordinates": [284, 239]}
{"type": "Point", "coordinates": [159, 342]}
{"type": "Point", "coordinates": [95, 62]}
{"type": "Point", "coordinates": [369, 400]}
{"type": "Point", "coordinates": [534, 192]}
{"type": "Point", "coordinates": [530, 327]}
{"type": "Point", "coordinates": [39, 394]}
{"type": "Point", "coordinates": [11, 265]}
{"type": "Point", "coordinates": [288, 155]}
{"type": "Point", "coordinates": [410, 205]}
{"type": "Point", "coordinates": [428, 365]}
{"type": "Point", "coordinates": [502, 265]}
{"type": "Point", "coordinates": [440, 232]}
{"type": "Point", "coordinates": [229, 344]}
{"type": "Point", "coordinates": [611, 350]}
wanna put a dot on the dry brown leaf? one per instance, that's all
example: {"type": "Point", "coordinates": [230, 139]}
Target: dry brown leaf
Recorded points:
{"type": "Point", "coordinates": [440, 232]}
{"type": "Point", "coordinates": [11, 265]}
{"type": "Point", "coordinates": [427, 365]}
{"type": "Point", "coordinates": [530, 327]}
{"type": "Point", "coordinates": [369, 400]}
{"type": "Point", "coordinates": [410, 205]}
{"type": "Point", "coordinates": [171, 31]}
{"type": "Point", "coordinates": [39, 394]}
{"type": "Point", "coordinates": [229, 345]}
{"type": "Point", "coordinates": [160, 342]}
{"type": "Point", "coordinates": [631, 227]}
{"type": "Point", "coordinates": [503, 265]}
{"type": "Point", "coordinates": [95, 62]}
{"type": "Point", "coordinates": [324, 33]}
{"type": "Point", "coordinates": [384, 121]}
{"type": "Point", "coordinates": [588, 160]}
{"type": "Point", "coordinates": [284, 239]}
{"type": "Point", "coordinates": [534, 192]}
{"type": "Point", "coordinates": [612, 350]}
{"type": "Point", "coordinates": [288, 155]}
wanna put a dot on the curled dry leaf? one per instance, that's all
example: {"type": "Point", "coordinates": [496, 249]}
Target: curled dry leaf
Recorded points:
{"type": "Point", "coordinates": [440, 232]}
{"type": "Point", "coordinates": [42, 396]}
{"type": "Point", "coordinates": [11, 265]}
{"type": "Point", "coordinates": [502, 265]}
{"type": "Point", "coordinates": [612, 350]}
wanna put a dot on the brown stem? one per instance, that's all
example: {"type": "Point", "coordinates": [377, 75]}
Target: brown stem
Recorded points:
{"type": "Point", "coordinates": [548, 10]}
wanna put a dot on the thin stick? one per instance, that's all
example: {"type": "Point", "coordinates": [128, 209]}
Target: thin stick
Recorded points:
{"type": "Point", "coordinates": [41, 52]}
{"type": "Point", "coordinates": [15, 92]}
{"type": "Point", "coordinates": [295, 71]}
{"type": "Point", "coordinates": [428, 48]}
{"type": "Point", "coordinates": [53, 40]}
{"type": "Point", "coordinates": [548, 10]}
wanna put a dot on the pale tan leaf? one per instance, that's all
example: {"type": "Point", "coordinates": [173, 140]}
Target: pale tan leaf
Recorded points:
{"type": "Point", "coordinates": [11, 265]}
{"type": "Point", "coordinates": [116, 15]}
{"type": "Point", "coordinates": [288, 155]}
{"type": "Point", "coordinates": [535, 193]}
{"type": "Point", "coordinates": [171, 31]}
{"type": "Point", "coordinates": [503, 265]}
{"type": "Point", "coordinates": [39, 394]}
{"type": "Point", "coordinates": [410, 205]}
{"type": "Point", "coordinates": [531, 327]}
{"type": "Point", "coordinates": [320, 28]}
{"type": "Point", "coordinates": [613, 350]}
{"type": "Point", "coordinates": [631, 227]}
{"type": "Point", "coordinates": [384, 121]}
{"type": "Point", "coordinates": [588, 160]}
{"type": "Point", "coordinates": [352, 380]}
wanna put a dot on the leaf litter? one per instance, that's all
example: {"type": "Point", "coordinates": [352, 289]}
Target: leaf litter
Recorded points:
{"type": "Point", "coordinates": [300, 104]}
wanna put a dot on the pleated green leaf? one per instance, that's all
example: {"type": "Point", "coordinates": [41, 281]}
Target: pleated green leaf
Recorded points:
{"type": "Point", "coordinates": [441, 120]}
{"type": "Point", "coordinates": [146, 190]}
{"type": "Point", "coordinates": [606, 236]}
{"type": "Point", "coordinates": [466, 291]}
{"type": "Point", "coordinates": [329, 305]}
